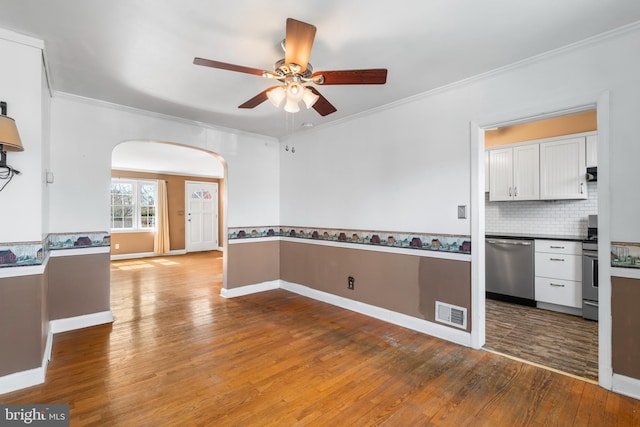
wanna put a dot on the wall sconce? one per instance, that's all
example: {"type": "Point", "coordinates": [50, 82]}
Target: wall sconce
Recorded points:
{"type": "Point", "coordinates": [9, 141]}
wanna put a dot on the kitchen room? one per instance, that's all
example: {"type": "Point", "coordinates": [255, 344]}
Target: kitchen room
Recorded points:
{"type": "Point", "coordinates": [541, 203]}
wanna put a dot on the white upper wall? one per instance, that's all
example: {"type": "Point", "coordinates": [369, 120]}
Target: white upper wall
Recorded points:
{"type": "Point", "coordinates": [21, 87]}
{"type": "Point", "coordinates": [83, 135]}
{"type": "Point", "coordinates": [406, 168]}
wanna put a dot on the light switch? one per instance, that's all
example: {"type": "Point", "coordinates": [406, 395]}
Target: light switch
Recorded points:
{"type": "Point", "coordinates": [462, 211]}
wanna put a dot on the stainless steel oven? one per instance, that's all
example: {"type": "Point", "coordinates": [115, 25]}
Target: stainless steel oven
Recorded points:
{"type": "Point", "coordinates": [590, 271]}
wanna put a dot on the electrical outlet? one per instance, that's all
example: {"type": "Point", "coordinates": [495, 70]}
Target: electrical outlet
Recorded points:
{"type": "Point", "coordinates": [351, 282]}
{"type": "Point", "coordinates": [117, 245]}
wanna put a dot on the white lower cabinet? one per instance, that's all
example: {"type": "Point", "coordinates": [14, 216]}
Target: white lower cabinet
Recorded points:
{"type": "Point", "coordinates": [558, 267]}
{"type": "Point", "coordinates": [560, 292]}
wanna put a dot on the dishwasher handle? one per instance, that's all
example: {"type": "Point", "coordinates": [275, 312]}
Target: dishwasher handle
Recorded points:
{"type": "Point", "coordinates": [509, 242]}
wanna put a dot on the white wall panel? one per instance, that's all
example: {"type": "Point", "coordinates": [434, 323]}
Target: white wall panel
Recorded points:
{"type": "Point", "coordinates": [406, 167]}
{"type": "Point", "coordinates": [83, 135]}
{"type": "Point", "coordinates": [21, 87]}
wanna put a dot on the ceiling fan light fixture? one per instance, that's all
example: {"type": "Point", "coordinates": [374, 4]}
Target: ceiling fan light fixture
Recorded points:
{"type": "Point", "coordinates": [276, 96]}
{"type": "Point", "coordinates": [291, 106]}
{"type": "Point", "coordinates": [295, 91]}
{"type": "Point", "coordinates": [309, 98]}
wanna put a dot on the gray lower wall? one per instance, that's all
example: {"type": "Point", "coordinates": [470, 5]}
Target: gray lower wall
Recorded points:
{"type": "Point", "coordinates": [79, 285]}
{"type": "Point", "coordinates": [625, 324]}
{"type": "Point", "coordinates": [251, 263]}
{"type": "Point", "coordinates": [23, 322]}
{"type": "Point", "coordinates": [407, 284]}
{"type": "Point", "coordinates": [69, 286]}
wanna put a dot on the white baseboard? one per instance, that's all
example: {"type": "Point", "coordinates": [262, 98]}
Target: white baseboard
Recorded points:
{"type": "Point", "coordinates": [626, 385]}
{"type": "Point", "coordinates": [406, 321]}
{"type": "Point", "coordinates": [132, 256]}
{"type": "Point", "coordinates": [23, 379]}
{"type": "Point", "coordinates": [410, 322]}
{"type": "Point", "coordinates": [250, 289]}
{"type": "Point", "coordinates": [79, 322]}
{"type": "Point", "coordinates": [146, 255]}
{"type": "Point", "coordinates": [30, 377]}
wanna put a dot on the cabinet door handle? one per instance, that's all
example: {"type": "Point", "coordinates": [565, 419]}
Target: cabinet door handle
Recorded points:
{"type": "Point", "coordinates": [515, 191]}
{"type": "Point", "coordinates": [557, 285]}
{"type": "Point", "coordinates": [509, 191]}
{"type": "Point", "coordinates": [582, 188]}
{"type": "Point", "coordinates": [556, 259]}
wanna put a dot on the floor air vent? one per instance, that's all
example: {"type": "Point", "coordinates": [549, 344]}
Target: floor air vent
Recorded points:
{"type": "Point", "coordinates": [451, 315]}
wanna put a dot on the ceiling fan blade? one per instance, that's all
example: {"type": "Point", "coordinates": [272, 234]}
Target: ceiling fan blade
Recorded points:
{"type": "Point", "coordinates": [374, 76]}
{"type": "Point", "coordinates": [256, 100]}
{"type": "Point", "coordinates": [322, 106]}
{"type": "Point", "coordinates": [225, 66]}
{"type": "Point", "coordinates": [298, 43]}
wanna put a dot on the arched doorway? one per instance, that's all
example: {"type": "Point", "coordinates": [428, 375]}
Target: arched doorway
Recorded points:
{"type": "Point", "coordinates": [139, 169]}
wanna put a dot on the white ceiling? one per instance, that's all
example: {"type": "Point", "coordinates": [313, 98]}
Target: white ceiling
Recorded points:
{"type": "Point", "coordinates": [139, 53]}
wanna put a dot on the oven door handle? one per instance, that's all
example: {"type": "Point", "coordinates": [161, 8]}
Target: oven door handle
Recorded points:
{"type": "Point", "coordinates": [590, 304]}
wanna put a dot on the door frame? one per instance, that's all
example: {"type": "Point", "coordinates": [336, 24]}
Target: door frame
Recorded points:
{"type": "Point", "coordinates": [187, 236]}
{"type": "Point", "coordinates": [601, 102]}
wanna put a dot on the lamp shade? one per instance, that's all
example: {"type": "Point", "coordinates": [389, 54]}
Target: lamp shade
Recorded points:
{"type": "Point", "coordinates": [295, 91]}
{"type": "Point", "coordinates": [9, 137]}
{"type": "Point", "coordinates": [309, 97]}
{"type": "Point", "coordinates": [291, 106]}
{"type": "Point", "coordinates": [276, 95]}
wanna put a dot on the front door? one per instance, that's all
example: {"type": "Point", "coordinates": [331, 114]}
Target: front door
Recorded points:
{"type": "Point", "coordinates": [202, 216]}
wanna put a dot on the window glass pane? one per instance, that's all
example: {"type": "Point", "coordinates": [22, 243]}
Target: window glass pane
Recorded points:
{"type": "Point", "coordinates": [147, 204]}
{"type": "Point", "coordinates": [133, 204]}
{"type": "Point", "coordinates": [147, 194]}
{"type": "Point", "coordinates": [122, 207]}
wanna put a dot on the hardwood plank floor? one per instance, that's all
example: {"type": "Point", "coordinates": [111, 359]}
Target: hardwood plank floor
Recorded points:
{"type": "Point", "coordinates": [179, 355]}
{"type": "Point", "coordinates": [556, 340]}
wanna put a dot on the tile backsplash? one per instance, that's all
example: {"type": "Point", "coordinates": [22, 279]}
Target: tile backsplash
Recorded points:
{"type": "Point", "coordinates": [564, 217]}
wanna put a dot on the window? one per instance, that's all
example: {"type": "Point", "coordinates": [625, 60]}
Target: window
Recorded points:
{"type": "Point", "coordinates": [133, 204]}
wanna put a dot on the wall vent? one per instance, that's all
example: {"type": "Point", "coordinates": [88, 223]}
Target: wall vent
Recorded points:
{"type": "Point", "coordinates": [451, 315]}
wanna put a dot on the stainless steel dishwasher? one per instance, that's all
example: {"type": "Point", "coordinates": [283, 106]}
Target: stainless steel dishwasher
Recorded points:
{"type": "Point", "coordinates": [509, 270]}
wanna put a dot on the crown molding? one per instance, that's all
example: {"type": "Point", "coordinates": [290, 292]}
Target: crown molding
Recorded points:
{"type": "Point", "coordinates": [156, 115]}
{"type": "Point", "coordinates": [589, 41]}
{"type": "Point", "coordinates": [12, 36]}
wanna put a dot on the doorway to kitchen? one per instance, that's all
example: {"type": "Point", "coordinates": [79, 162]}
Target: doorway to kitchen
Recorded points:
{"type": "Point", "coordinates": [543, 333]}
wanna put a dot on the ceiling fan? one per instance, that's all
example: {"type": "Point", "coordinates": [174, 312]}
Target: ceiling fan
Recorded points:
{"type": "Point", "coordinates": [294, 70]}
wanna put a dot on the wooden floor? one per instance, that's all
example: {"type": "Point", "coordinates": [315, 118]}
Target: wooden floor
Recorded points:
{"type": "Point", "coordinates": [557, 340]}
{"type": "Point", "coordinates": [180, 355]}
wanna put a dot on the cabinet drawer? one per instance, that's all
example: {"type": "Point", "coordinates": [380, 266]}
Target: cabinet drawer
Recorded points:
{"type": "Point", "coordinates": [559, 247]}
{"type": "Point", "coordinates": [561, 266]}
{"type": "Point", "coordinates": [561, 292]}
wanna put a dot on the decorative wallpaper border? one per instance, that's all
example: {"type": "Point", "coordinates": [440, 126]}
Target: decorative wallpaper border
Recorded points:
{"type": "Point", "coordinates": [23, 254]}
{"type": "Point", "coordinates": [421, 241]}
{"type": "Point", "coordinates": [625, 255]}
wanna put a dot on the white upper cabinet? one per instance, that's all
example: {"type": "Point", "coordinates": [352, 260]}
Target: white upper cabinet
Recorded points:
{"type": "Point", "coordinates": [592, 151]}
{"type": "Point", "coordinates": [526, 172]}
{"type": "Point", "coordinates": [501, 174]}
{"type": "Point", "coordinates": [563, 169]}
{"type": "Point", "coordinates": [514, 173]}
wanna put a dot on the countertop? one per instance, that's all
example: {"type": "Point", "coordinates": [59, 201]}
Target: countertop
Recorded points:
{"type": "Point", "coordinates": [574, 238]}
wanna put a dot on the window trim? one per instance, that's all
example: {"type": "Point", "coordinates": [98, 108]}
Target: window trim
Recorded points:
{"type": "Point", "coordinates": [137, 211]}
